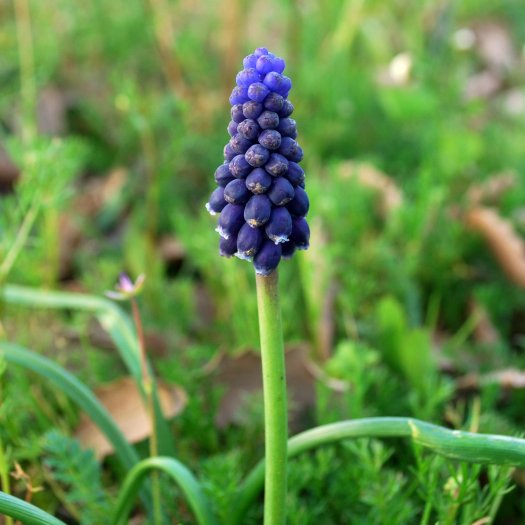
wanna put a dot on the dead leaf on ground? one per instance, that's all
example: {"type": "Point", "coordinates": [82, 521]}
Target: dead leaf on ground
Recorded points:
{"type": "Point", "coordinates": [52, 108]}
{"type": "Point", "coordinates": [492, 189]}
{"type": "Point", "coordinates": [242, 376]}
{"type": "Point", "coordinates": [506, 245]}
{"type": "Point", "coordinates": [509, 379]}
{"type": "Point", "coordinates": [482, 85]}
{"type": "Point", "coordinates": [484, 332]}
{"type": "Point", "coordinates": [370, 177]}
{"type": "Point", "coordinates": [494, 45]}
{"type": "Point", "coordinates": [125, 404]}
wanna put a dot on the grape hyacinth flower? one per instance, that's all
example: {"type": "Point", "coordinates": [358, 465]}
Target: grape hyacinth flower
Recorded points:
{"type": "Point", "coordinates": [260, 183]}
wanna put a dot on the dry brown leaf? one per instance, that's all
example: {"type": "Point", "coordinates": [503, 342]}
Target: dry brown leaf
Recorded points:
{"type": "Point", "coordinates": [482, 85]}
{"type": "Point", "coordinates": [484, 332]}
{"type": "Point", "coordinates": [505, 243]}
{"type": "Point", "coordinates": [492, 188]}
{"type": "Point", "coordinates": [371, 177]}
{"type": "Point", "coordinates": [494, 45]}
{"type": "Point", "coordinates": [509, 379]}
{"type": "Point", "coordinates": [242, 376]}
{"type": "Point", "coordinates": [125, 404]}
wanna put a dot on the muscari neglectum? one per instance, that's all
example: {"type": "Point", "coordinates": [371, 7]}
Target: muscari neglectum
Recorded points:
{"type": "Point", "coordinates": [260, 193]}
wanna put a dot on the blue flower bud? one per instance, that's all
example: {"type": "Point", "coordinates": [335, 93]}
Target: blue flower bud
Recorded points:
{"type": "Point", "coordinates": [260, 194]}
{"type": "Point", "coordinates": [300, 233]}
{"type": "Point", "coordinates": [299, 205]}
{"type": "Point", "coordinates": [295, 174]}
{"type": "Point", "coordinates": [248, 129]}
{"type": "Point", "coordinates": [257, 155]}
{"type": "Point", "coordinates": [258, 91]}
{"type": "Point", "coordinates": [228, 247]}
{"type": "Point", "coordinates": [258, 210]}
{"type": "Point", "coordinates": [258, 181]}
{"type": "Point", "coordinates": [216, 203]}
{"type": "Point", "coordinates": [251, 109]}
{"type": "Point", "coordinates": [281, 191]}
{"type": "Point", "coordinates": [236, 113]}
{"type": "Point", "coordinates": [247, 76]}
{"type": "Point", "coordinates": [268, 119]}
{"type": "Point", "coordinates": [239, 168]}
{"type": "Point", "coordinates": [240, 144]}
{"type": "Point", "coordinates": [287, 127]}
{"type": "Point", "coordinates": [274, 102]}
{"type": "Point", "coordinates": [230, 220]}
{"type": "Point", "coordinates": [267, 258]}
{"type": "Point", "coordinates": [236, 192]}
{"type": "Point", "coordinates": [290, 149]}
{"type": "Point", "coordinates": [277, 165]}
{"type": "Point", "coordinates": [279, 227]}
{"type": "Point", "coordinates": [232, 128]}
{"type": "Point", "coordinates": [270, 139]}
{"type": "Point", "coordinates": [248, 241]}
{"type": "Point", "coordinates": [223, 174]}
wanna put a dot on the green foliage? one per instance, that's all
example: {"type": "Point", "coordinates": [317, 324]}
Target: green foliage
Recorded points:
{"type": "Point", "coordinates": [77, 476]}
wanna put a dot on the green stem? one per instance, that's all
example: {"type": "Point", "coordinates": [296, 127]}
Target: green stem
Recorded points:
{"type": "Point", "coordinates": [190, 487]}
{"type": "Point", "coordinates": [454, 444]}
{"type": "Point", "coordinates": [25, 512]}
{"type": "Point", "coordinates": [274, 386]}
{"type": "Point", "coordinates": [4, 476]}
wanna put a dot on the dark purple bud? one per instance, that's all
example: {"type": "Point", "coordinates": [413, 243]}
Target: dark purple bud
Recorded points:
{"type": "Point", "coordinates": [247, 76]}
{"type": "Point", "coordinates": [290, 149]}
{"type": "Point", "coordinates": [239, 167]}
{"type": "Point", "coordinates": [223, 174]}
{"type": "Point", "coordinates": [236, 112]}
{"type": "Point", "coordinates": [248, 241]}
{"type": "Point", "coordinates": [239, 95]}
{"type": "Point", "coordinates": [228, 247]}
{"type": "Point", "coordinates": [257, 155]}
{"type": "Point", "coordinates": [258, 181]}
{"type": "Point", "coordinates": [268, 119]}
{"type": "Point", "coordinates": [216, 203]}
{"type": "Point", "coordinates": [277, 165]}
{"type": "Point", "coordinates": [260, 51]}
{"type": "Point", "coordinates": [265, 64]}
{"type": "Point", "coordinates": [258, 91]}
{"type": "Point", "coordinates": [270, 139]}
{"type": "Point", "coordinates": [281, 191]}
{"type": "Point", "coordinates": [258, 210]}
{"type": "Point", "coordinates": [267, 258]}
{"type": "Point", "coordinates": [236, 192]}
{"type": "Point", "coordinates": [232, 128]}
{"type": "Point", "coordinates": [288, 249]}
{"type": "Point", "coordinates": [300, 233]}
{"type": "Point", "coordinates": [279, 227]}
{"type": "Point", "coordinates": [287, 109]}
{"type": "Point", "coordinates": [250, 61]}
{"type": "Point", "coordinates": [251, 109]}
{"type": "Point", "coordinates": [240, 144]}
{"type": "Point", "coordinates": [274, 102]}
{"type": "Point", "coordinates": [230, 220]}
{"type": "Point", "coordinates": [295, 174]}
{"type": "Point", "coordinates": [300, 204]}
{"type": "Point", "coordinates": [248, 129]}
{"type": "Point", "coordinates": [228, 152]}
{"type": "Point", "coordinates": [287, 127]}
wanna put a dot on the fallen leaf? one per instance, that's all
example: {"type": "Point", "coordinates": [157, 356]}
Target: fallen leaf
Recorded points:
{"type": "Point", "coordinates": [509, 379]}
{"type": "Point", "coordinates": [484, 332]}
{"type": "Point", "coordinates": [505, 243]}
{"type": "Point", "coordinates": [242, 376]}
{"type": "Point", "coordinates": [125, 404]}
{"type": "Point", "coordinates": [491, 189]}
{"type": "Point", "coordinates": [370, 177]}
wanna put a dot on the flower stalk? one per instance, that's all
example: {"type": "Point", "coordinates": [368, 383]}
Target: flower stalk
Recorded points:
{"type": "Point", "coordinates": [275, 401]}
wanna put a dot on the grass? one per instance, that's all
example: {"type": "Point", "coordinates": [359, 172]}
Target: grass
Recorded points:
{"type": "Point", "coordinates": [384, 298]}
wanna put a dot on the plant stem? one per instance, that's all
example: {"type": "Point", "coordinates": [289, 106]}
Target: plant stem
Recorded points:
{"type": "Point", "coordinates": [274, 386]}
{"type": "Point", "coordinates": [147, 384]}
{"type": "Point", "coordinates": [4, 477]}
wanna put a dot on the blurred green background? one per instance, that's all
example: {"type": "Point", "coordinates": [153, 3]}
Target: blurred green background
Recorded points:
{"type": "Point", "coordinates": [411, 115]}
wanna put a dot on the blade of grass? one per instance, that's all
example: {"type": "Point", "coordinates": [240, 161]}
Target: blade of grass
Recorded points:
{"type": "Point", "coordinates": [25, 512]}
{"type": "Point", "coordinates": [118, 326]}
{"type": "Point", "coordinates": [187, 482]}
{"type": "Point", "coordinates": [454, 444]}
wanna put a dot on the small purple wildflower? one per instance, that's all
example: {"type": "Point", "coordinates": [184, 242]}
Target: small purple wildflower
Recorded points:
{"type": "Point", "coordinates": [126, 288]}
{"type": "Point", "coordinates": [260, 195]}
